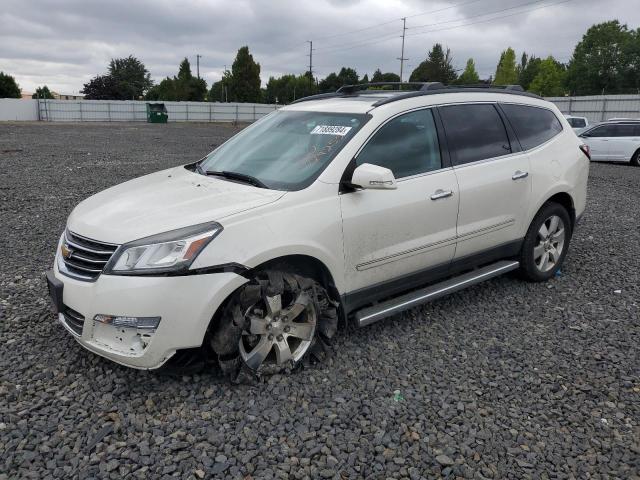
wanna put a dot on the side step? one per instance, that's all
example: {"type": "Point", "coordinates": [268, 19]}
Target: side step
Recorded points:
{"type": "Point", "coordinates": [369, 315]}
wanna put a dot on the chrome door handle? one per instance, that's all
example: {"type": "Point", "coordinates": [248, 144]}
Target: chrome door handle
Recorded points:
{"type": "Point", "coordinates": [438, 194]}
{"type": "Point", "coordinates": [518, 175]}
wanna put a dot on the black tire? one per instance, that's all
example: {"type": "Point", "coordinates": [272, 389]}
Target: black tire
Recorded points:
{"type": "Point", "coordinates": [635, 159]}
{"type": "Point", "coordinates": [533, 268]}
{"type": "Point", "coordinates": [251, 309]}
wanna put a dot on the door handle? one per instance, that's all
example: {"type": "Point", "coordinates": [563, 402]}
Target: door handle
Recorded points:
{"type": "Point", "coordinates": [518, 175]}
{"type": "Point", "coordinates": [438, 194]}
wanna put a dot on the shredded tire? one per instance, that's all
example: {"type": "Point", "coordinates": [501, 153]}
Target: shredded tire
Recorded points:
{"type": "Point", "coordinates": [226, 332]}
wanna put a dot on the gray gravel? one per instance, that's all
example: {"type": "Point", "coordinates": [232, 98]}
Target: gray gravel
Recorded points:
{"type": "Point", "coordinates": [503, 380]}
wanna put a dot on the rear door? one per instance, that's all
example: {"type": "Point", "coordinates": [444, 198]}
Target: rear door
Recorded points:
{"type": "Point", "coordinates": [391, 234]}
{"type": "Point", "coordinates": [493, 177]}
{"type": "Point", "coordinates": [624, 142]}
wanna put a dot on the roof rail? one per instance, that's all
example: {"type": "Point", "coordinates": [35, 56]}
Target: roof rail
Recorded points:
{"type": "Point", "coordinates": [364, 86]}
{"type": "Point", "coordinates": [420, 88]}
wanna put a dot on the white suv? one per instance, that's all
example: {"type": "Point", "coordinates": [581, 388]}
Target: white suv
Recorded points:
{"type": "Point", "coordinates": [617, 141]}
{"type": "Point", "coordinates": [346, 207]}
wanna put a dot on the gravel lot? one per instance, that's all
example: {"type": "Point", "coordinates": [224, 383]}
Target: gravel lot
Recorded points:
{"type": "Point", "coordinates": [503, 380]}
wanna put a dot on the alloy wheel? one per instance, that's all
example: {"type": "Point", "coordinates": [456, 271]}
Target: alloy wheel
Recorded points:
{"type": "Point", "coordinates": [550, 243]}
{"type": "Point", "coordinates": [278, 334]}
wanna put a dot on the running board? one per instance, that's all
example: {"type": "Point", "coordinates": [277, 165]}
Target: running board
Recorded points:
{"type": "Point", "coordinates": [369, 315]}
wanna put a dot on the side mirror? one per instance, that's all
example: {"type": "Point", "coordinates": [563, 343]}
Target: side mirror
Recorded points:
{"type": "Point", "coordinates": [373, 177]}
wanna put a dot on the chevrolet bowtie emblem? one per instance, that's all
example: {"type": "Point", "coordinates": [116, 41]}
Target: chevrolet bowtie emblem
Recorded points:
{"type": "Point", "coordinates": [66, 251]}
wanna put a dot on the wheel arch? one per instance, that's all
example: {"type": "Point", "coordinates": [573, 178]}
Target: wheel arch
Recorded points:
{"type": "Point", "coordinates": [566, 200]}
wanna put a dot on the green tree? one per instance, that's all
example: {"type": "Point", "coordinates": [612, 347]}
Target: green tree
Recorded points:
{"type": "Point", "coordinates": [43, 92]}
{"type": "Point", "coordinates": [101, 87]}
{"type": "Point", "coordinates": [549, 82]}
{"type": "Point", "coordinates": [470, 75]}
{"type": "Point", "coordinates": [437, 67]}
{"type": "Point", "coordinates": [506, 73]}
{"type": "Point", "coordinates": [131, 77]}
{"type": "Point", "coordinates": [378, 76]}
{"type": "Point", "coordinates": [126, 79]}
{"type": "Point", "coordinates": [527, 70]}
{"type": "Point", "coordinates": [288, 88]}
{"type": "Point", "coordinates": [333, 81]}
{"type": "Point", "coordinates": [8, 86]}
{"type": "Point", "coordinates": [219, 91]}
{"type": "Point", "coordinates": [245, 78]}
{"type": "Point", "coordinates": [184, 87]}
{"type": "Point", "coordinates": [597, 65]}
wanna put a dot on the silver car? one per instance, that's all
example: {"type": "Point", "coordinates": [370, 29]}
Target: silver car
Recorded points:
{"type": "Point", "coordinates": [617, 141]}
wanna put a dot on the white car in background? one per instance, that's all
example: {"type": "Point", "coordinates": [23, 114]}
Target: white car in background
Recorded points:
{"type": "Point", "coordinates": [616, 141]}
{"type": "Point", "coordinates": [577, 123]}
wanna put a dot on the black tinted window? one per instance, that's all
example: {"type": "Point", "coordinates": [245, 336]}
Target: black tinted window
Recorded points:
{"type": "Point", "coordinates": [474, 132]}
{"type": "Point", "coordinates": [623, 130]}
{"type": "Point", "coordinates": [577, 122]}
{"type": "Point", "coordinates": [533, 125]}
{"type": "Point", "coordinates": [602, 131]}
{"type": "Point", "coordinates": [407, 145]}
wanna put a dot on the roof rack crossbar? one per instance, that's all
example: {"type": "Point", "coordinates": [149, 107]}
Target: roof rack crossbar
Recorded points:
{"type": "Point", "coordinates": [350, 89]}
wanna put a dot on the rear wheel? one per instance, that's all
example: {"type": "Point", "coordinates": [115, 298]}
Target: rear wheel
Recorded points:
{"type": "Point", "coordinates": [635, 160]}
{"type": "Point", "coordinates": [273, 324]}
{"type": "Point", "coordinates": [546, 243]}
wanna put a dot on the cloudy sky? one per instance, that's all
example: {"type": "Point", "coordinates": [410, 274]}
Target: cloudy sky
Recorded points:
{"type": "Point", "coordinates": [65, 43]}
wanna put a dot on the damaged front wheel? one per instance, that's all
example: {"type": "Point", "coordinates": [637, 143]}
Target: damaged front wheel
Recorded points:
{"type": "Point", "coordinates": [274, 323]}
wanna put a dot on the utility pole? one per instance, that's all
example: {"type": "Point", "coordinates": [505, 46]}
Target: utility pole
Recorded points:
{"type": "Point", "coordinates": [198, 65]}
{"type": "Point", "coordinates": [401, 58]}
{"type": "Point", "coordinates": [310, 64]}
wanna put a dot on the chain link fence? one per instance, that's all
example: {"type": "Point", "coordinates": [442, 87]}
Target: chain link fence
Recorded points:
{"type": "Point", "coordinates": [598, 108]}
{"type": "Point", "coordinates": [136, 111]}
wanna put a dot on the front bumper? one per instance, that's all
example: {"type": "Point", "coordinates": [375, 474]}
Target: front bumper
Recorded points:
{"type": "Point", "coordinates": [185, 304]}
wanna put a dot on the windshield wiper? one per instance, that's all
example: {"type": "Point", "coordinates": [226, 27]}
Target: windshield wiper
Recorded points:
{"type": "Point", "coordinates": [237, 176]}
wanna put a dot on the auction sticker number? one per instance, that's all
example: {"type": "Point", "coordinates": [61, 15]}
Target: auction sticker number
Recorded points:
{"type": "Point", "coordinates": [330, 130]}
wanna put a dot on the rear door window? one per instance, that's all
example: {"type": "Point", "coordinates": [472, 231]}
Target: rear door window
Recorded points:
{"type": "Point", "coordinates": [577, 122]}
{"type": "Point", "coordinates": [474, 132]}
{"type": "Point", "coordinates": [623, 130]}
{"type": "Point", "coordinates": [533, 125]}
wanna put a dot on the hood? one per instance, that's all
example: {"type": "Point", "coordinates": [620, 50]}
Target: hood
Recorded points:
{"type": "Point", "coordinates": [163, 201]}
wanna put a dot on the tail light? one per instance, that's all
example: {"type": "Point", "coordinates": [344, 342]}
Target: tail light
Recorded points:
{"type": "Point", "coordinates": [585, 150]}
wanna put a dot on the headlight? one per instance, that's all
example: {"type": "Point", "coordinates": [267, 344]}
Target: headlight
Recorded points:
{"type": "Point", "coordinates": [167, 252]}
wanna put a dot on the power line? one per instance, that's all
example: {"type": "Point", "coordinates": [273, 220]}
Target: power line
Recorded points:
{"type": "Point", "coordinates": [476, 16]}
{"type": "Point", "coordinates": [489, 19]}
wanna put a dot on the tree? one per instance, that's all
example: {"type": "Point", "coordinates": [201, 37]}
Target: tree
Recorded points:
{"type": "Point", "coordinates": [550, 79]}
{"type": "Point", "coordinates": [8, 86]}
{"type": "Point", "coordinates": [101, 87]}
{"type": "Point", "coordinates": [184, 87]}
{"type": "Point", "coordinates": [436, 68]}
{"type": "Point", "coordinates": [506, 73]}
{"type": "Point", "coordinates": [245, 78]}
{"type": "Point", "coordinates": [43, 92]}
{"type": "Point", "coordinates": [288, 88]}
{"type": "Point", "coordinates": [470, 75]}
{"type": "Point", "coordinates": [527, 70]}
{"type": "Point", "coordinates": [378, 76]}
{"type": "Point", "coordinates": [597, 64]}
{"type": "Point", "coordinates": [220, 90]}
{"type": "Point", "coordinates": [333, 81]}
{"type": "Point", "coordinates": [126, 79]}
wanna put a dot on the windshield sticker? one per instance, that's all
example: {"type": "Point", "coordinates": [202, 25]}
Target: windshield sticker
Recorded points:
{"type": "Point", "coordinates": [330, 130]}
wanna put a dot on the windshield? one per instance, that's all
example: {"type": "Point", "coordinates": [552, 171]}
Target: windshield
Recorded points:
{"type": "Point", "coordinates": [286, 150]}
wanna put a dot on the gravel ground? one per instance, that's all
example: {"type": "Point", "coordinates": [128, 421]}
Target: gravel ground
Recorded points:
{"type": "Point", "coordinates": [503, 380]}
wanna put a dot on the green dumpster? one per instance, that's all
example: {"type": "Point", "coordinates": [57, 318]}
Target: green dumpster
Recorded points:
{"type": "Point", "coordinates": [156, 113]}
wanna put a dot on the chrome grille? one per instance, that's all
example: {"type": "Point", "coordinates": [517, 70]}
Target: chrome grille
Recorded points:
{"type": "Point", "coordinates": [73, 319]}
{"type": "Point", "coordinates": [86, 258]}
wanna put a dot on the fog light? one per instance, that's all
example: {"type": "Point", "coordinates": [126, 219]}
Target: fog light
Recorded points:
{"type": "Point", "coordinates": [148, 323]}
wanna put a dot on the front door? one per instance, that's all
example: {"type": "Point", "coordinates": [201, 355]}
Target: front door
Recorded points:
{"type": "Point", "coordinates": [598, 140]}
{"type": "Point", "coordinates": [391, 234]}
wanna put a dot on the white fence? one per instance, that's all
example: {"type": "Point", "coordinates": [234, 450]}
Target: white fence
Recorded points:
{"type": "Point", "coordinates": [136, 111]}
{"type": "Point", "coordinates": [598, 108]}
{"type": "Point", "coordinates": [16, 109]}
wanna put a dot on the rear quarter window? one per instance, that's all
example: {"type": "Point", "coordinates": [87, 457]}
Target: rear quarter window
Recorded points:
{"type": "Point", "coordinates": [533, 125]}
